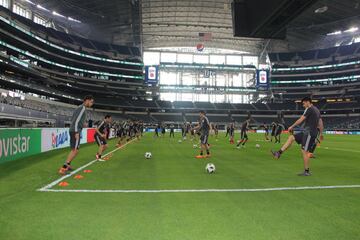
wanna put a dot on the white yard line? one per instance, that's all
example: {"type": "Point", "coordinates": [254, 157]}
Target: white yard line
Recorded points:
{"type": "Point", "coordinates": [52, 184]}
{"type": "Point", "coordinates": [199, 190]}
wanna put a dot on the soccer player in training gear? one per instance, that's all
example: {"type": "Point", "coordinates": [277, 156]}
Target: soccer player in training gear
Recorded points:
{"type": "Point", "coordinates": [313, 125]}
{"type": "Point", "coordinates": [232, 132]}
{"type": "Point", "coordinates": [156, 132]}
{"type": "Point", "coordinates": [216, 130]}
{"type": "Point", "coordinates": [101, 136]}
{"type": "Point", "coordinates": [266, 129]}
{"type": "Point", "coordinates": [279, 128]}
{"type": "Point", "coordinates": [172, 127]}
{"type": "Point", "coordinates": [227, 130]}
{"type": "Point", "coordinates": [273, 130]}
{"type": "Point", "coordinates": [243, 134]}
{"type": "Point", "coordinates": [77, 124]}
{"type": "Point", "coordinates": [204, 129]}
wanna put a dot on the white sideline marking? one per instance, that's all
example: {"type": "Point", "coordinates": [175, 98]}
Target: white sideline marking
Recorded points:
{"type": "Point", "coordinates": [52, 184]}
{"type": "Point", "coordinates": [199, 190]}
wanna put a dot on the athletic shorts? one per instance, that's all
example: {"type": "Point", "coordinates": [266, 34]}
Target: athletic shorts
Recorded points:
{"type": "Point", "coordinates": [231, 133]}
{"type": "Point", "coordinates": [100, 140]}
{"type": "Point", "coordinates": [204, 139]}
{"type": "Point", "coordinates": [243, 135]}
{"type": "Point", "coordinates": [74, 143]}
{"type": "Point", "coordinates": [308, 142]}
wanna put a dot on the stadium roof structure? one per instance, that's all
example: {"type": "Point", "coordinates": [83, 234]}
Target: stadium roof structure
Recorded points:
{"type": "Point", "coordinates": [185, 23]}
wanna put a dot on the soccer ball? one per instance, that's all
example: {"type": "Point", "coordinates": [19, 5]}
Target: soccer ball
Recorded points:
{"type": "Point", "coordinates": [257, 145]}
{"type": "Point", "coordinates": [148, 155]}
{"type": "Point", "coordinates": [210, 168]}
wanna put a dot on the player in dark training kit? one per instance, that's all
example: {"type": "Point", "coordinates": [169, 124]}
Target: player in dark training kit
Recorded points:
{"type": "Point", "coordinates": [279, 128]}
{"type": "Point", "coordinates": [273, 130]}
{"type": "Point", "coordinates": [243, 134]}
{"type": "Point", "coordinates": [232, 132]}
{"type": "Point", "coordinates": [307, 137]}
{"type": "Point", "coordinates": [101, 135]}
{"type": "Point", "coordinates": [204, 129]}
{"type": "Point", "coordinates": [266, 129]}
{"type": "Point", "coordinates": [172, 127]}
{"type": "Point", "coordinates": [77, 124]}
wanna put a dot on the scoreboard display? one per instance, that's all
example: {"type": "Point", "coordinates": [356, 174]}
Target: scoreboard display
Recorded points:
{"type": "Point", "coordinates": [152, 75]}
{"type": "Point", "coordinates": [262, 79]}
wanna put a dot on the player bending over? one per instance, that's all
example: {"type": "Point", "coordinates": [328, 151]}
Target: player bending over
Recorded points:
{"type": "Point", "coordinates": [204, 129]}
{"type": "Point", "coordinates": [307, 137]}
{"type": "Point", "coordinates": [243, 134]}
{"type": "Point", "coordinates": [77, 124]}
{"type": "Point", "coordinates": [101, 136]}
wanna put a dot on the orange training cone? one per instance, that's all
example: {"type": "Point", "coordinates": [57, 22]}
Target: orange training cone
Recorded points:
{"type": "Point", "coordinates": [63, 184]}
{"type": "Point", "coordinates": [78, 176]}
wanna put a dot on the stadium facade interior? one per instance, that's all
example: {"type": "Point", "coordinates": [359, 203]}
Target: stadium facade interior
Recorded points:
{"type": "Point", "coordinates": [45, 71]}
{"type": "Point", "coordinates": [47, 65]}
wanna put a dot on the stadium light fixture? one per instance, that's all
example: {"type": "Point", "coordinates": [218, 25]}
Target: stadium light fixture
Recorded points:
{"type": "Point", "coordinates": [28, 1]}
{"type": "Point", "coordinates": [42, 8]}
{"type": "Point", "coordinates": [353, 29]}
{"type": "Point", "coordinates": [334, 33]}
{"type": "Point", "coordinates": [58, 14]}
{"type": "Point", "coordinates": [73, 20]}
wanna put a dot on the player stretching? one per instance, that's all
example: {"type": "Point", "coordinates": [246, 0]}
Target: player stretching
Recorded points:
{"type": "Point", "coordinates": [101, 136]}
{"type": "Point", "coordinates": [307, 137]}
{"type": "Point", "coordinates": [77, 123]}
{"type": "Point", "coordinates": [244, 136]}
{"type": "Point", "coordinates": [204, 128]}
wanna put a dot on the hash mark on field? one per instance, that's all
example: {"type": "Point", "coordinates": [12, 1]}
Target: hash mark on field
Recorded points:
{"type": "Point", "coordinates": [52, 184]}
{"type": "Point", "coordinates": [201, 190]}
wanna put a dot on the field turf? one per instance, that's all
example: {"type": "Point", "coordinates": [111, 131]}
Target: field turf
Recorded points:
{"type": "Point", "coordinates": [26, 213]}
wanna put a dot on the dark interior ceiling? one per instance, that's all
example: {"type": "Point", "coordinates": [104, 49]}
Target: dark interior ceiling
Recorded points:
{"type": "Point", "coordinates": [310, 29]}
{"type": "Point", "coordinates": [116, 21]}
{"type": "Point", "coordinates": [165, 23]}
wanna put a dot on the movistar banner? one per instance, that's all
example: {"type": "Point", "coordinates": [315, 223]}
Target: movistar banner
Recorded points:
{"type": "Point", "coordinates": [18, 143]}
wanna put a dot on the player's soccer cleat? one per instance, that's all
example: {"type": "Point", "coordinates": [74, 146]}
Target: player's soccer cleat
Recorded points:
{"type": "Point", "coordinates": [304, 174]}
{"type": "Point", "coordinates": [238, 147]}
{"type": "Point", "coordinates": [276, 155]}
{"type": "Point", "coordinates": [200, 156]}
{"type": "Point", "coordinates": [62, 171]}
{"type": "Point", "coordinates": [69, 168]}
{"type": "Point", "coordinates": [97, 156]}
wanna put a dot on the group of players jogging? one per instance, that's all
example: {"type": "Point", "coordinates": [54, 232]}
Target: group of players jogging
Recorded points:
{"type": "Point", "coordinates": [306, 131]}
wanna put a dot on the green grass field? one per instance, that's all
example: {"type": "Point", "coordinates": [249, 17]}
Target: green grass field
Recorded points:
{"type": "Point", "coordinates": [26, 213]}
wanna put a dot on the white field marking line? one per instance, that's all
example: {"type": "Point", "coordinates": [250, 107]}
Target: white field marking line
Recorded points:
{"type": "Point", "coordinates": [340, 149]}
{"type": "Point", "coordinates": [52, 184]}
{"type": "Point", "coordinates": [201, 190]}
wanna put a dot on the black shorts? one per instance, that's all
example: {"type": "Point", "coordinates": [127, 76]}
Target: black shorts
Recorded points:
{"type": "Point", "coordinates": [74, 143]}
{"type": "Point", "coordinates": [243, 135]}
{"type": "Point", "coordinates": [204, 139]}
{"type": "Point", "coordinates": [100, 140]}
{"type": "Point", "coordinates": [231, 133]}
{"type": "Point", "coordinates": [308, 142]}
